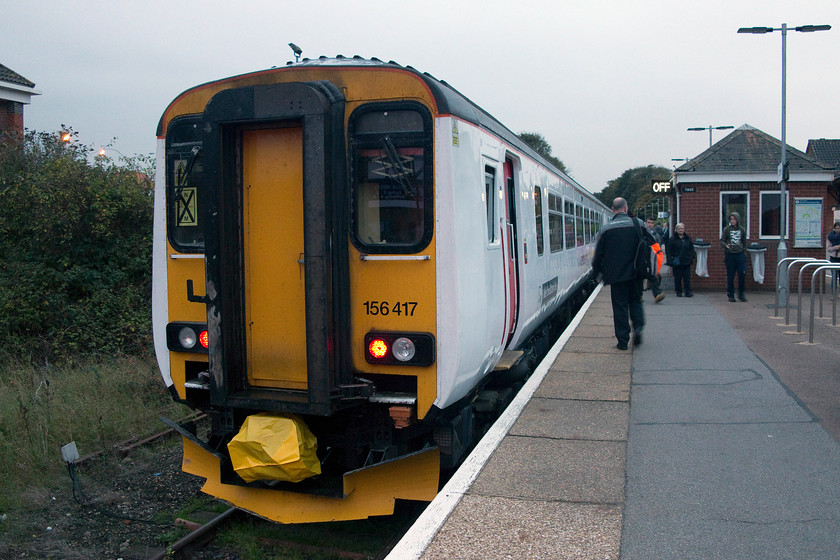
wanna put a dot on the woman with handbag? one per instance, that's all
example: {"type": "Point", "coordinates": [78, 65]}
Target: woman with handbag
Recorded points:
{"type": "Point", "coordinates": [680, 252]}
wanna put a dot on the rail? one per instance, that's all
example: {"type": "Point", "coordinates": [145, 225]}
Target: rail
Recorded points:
{"type": "Point", "coordinates": [789, 261]}
{"type": "Point", "coordinates": [833, 266]}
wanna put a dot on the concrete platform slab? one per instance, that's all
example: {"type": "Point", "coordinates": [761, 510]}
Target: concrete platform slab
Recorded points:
{"type": "Point", "coordinates": [483, 527]}
{"type": "Point", "coordinates": [549, 469]}
{"type": "Point", "coordinates": [573, 419]}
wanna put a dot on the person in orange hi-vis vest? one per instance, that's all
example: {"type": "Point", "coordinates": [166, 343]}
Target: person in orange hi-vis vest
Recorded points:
{"type": "Point", "coordinates": [656, 262]}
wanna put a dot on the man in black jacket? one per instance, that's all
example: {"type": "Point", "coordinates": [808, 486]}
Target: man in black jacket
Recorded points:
{"type": "Point", "coordinates": [613, 263]}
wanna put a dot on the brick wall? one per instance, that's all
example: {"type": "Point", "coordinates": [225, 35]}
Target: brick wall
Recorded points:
{"type": "Point", "coordinates": [11, 117]}
{"type": "Point", "coordinates": [700, 212]}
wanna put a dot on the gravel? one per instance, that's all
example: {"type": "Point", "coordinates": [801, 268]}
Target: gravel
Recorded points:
{"type": "Point", "coordinates": [131, 506]}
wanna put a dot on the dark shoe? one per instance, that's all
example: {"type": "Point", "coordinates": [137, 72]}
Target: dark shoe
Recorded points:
{"type": "Point", "coordinates": [637, 339]}
{"type": "Point", "coordinates": [659, 297]}
{"type": "Point", "coordinates": [741, 297]}
{"type": "Point", "coordinates": [621, 346]}
{"type": "Point", "coordinates": [679, 295]}
{"type": "Point", "coordinates": [732, 299]}
{"type": "Point", "coordinates": [689, 295]}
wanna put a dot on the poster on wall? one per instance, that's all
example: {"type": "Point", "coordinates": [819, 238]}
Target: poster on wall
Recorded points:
{"type": "Point", "coordinates": [807, 222]}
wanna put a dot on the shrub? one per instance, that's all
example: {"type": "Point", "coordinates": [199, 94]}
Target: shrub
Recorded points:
{"type": "Point", "coordinates": [75, 252]}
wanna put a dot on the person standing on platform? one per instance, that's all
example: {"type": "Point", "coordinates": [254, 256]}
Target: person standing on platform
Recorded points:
{"type": "Point", "coordinates": [614, 265]}
{"type": "Point", "coordinates": [680, 251]}
{"type": "Point", "coordinates": [832, 245]}
{"type": "Point", "coordinates": [656, 260]}
{"type": "Point", "coordinates": [733, 240]}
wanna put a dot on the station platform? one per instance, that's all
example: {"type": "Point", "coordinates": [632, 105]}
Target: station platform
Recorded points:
{"type": "Point", "coordinates": [717, 437]}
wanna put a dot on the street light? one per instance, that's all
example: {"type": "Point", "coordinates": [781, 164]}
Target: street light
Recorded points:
{"type": "Point", "coordinates": [782, 250]}
{"type": "Point", "coordinates": [710, 128]}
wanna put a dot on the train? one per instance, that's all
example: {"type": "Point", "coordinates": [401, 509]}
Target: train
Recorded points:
{"type": "Point", "coordinates": [354, 268]}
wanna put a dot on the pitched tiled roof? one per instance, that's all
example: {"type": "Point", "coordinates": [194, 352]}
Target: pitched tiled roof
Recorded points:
{"type": "Point", "coordinates": [749, 150]}
{"type": "Point", "coordinates": [11, 77]}
{"type": "Point", "coordinates": [825, 151]}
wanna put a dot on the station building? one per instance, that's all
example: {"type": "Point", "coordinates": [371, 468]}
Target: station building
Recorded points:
{"type": "Point", "coordinates": [15, 92]}
{"type": "Point", "coordinates": [741, 173]}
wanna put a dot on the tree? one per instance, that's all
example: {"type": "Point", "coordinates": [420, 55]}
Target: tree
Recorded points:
{"type": "Point", "coordinates": [634, 186]}
{"type": "Point", "coordinates": [75, 251]}
{"type": "Point", "coordinates": [538, 142]}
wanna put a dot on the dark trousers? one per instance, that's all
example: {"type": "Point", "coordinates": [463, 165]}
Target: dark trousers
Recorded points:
{"type": "Point", "coordinates": [627, 306]}
{"type": "Point", "coordinates": [735, 262]}
{"type": "Point", "coordinates": [682, 278]}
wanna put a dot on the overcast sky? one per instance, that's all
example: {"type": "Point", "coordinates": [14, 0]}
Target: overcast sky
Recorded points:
{"type": "Point", "coordinates": [611, 84]}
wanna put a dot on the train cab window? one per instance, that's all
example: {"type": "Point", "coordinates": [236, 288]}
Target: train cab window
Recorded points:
{"type": "Point", "coordinates": [490, 202]}
{"type": "Point", "coordinates": [538, 218]}
{"type": "Point", "coordinates": [184, 170]}
{"type": "Point", "coordinates": [391, 178]}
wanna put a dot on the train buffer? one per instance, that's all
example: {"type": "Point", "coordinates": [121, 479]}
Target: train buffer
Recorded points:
{"type": "Point", "coordinates": [716, 438]}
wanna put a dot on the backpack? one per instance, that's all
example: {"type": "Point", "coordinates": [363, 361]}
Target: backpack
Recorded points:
{"type": "Point", "coordinates": [641, 262]}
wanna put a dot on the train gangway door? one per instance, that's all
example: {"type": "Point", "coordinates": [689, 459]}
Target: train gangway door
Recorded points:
{"type": "Point", "coordinates": [273, 230]}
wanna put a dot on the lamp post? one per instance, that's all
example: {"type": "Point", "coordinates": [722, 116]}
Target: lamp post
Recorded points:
{"type": "Point", "coordinates": [783, 171]}
{"type": "Point", "coordinates": [710, 128]}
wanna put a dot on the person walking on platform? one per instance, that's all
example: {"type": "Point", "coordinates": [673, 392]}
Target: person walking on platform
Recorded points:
{"type": "Point", "coordinates": [614, 264]}
{"type": "Point", "coordinates": [680, 251]}
{"type": "Point", "coordinates": [732, 240]}
{"type": "Point", "coordinates": [655, 261]}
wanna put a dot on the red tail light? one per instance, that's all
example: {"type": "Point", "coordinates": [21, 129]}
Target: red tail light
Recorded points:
{"type": "Point", "coordinates": [378, 348]}
{"type": "Point", "coordinates": [400, 348]}
{"type": "Point", "coordinates": [204, 339]}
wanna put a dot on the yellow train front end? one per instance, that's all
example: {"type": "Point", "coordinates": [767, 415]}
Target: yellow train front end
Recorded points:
{"type": "Point", "coordinates": [294, 287]}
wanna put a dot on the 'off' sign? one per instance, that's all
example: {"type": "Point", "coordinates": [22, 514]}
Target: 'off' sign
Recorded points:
{"type": "Point", "coordinates": [660, 187]}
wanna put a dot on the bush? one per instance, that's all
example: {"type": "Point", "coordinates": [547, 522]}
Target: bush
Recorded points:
{"type": "Point", "coordinates": [75, 252]}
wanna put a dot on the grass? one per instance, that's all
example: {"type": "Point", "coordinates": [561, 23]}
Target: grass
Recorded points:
{"type": "Point", "coordinates": [96, 404]}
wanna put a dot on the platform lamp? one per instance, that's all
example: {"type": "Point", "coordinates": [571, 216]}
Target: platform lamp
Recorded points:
{"type": "Point", "coordinates": [710, 128]}
{"type": "Point", "coordinates": [783, 169]}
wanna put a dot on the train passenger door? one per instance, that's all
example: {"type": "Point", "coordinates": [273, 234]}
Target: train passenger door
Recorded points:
{"type": "Point", "coordinates": [511, 251]}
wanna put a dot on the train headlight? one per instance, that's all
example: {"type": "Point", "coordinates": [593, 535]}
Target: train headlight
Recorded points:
{"type": "Point", "coordinates": [400, 348]}
{"type": "Point", "coordinates": [404, 349]}
{"type": "Point", "coordinates": [187, 337]}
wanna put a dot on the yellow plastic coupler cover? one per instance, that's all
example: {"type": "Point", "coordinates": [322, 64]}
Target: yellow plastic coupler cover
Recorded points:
{"type": "Point", "coordinates": [274, 447]}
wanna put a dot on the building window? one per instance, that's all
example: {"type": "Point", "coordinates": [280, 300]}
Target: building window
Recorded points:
{"type": "Point", "coordinates": [538, 218]}
{"type": "Point", "coordinates": [735, 202]}
{"type": "Point", "coordinates": [769, 213]}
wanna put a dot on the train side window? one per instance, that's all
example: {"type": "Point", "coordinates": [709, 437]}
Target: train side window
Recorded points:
{"type": "Point", "coordinates": [490, 202]}
{"type": "Point", "coordinates": [184, 192]}
{"type": "Point", "coordinates": [569, 223]}
{"type": "Point", "coordinates": [391, 178]}
{"type": "Point", "coordinates": [579, 224]}
{"type": "Point", "coordinates": [555, 223]}
{"type": "Point", "coordinates": [538, 218]}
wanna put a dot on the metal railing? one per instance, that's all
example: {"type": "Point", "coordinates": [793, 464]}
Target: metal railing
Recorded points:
{"type": "Point", "coordinates": [817, 262]}
{"type": "Point", "coordinates": [831, 266]}
{"type": "Point", "coordinates": [789, 261]}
